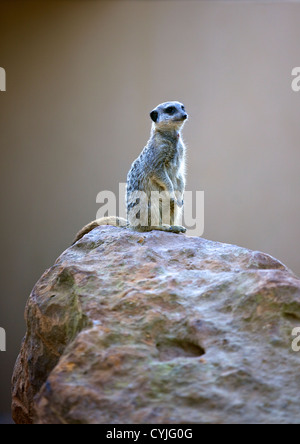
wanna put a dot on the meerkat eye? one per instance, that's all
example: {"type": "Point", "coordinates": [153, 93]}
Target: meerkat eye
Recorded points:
{"type": "Point", "coordinates": [183, 108]}
{"type": "Point", "coordinates": [170, 110]}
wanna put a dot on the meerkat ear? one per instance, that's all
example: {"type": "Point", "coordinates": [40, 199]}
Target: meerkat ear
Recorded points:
{"type": "Point", "coordinates": [154, 116]}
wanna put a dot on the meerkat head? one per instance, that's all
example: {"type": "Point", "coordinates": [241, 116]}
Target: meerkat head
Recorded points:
{"type": "Point", "coordinates": [169, 116]}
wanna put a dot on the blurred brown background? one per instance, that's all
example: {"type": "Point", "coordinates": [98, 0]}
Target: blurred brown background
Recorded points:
{"type": "Point", "coordinates": [82, 77]}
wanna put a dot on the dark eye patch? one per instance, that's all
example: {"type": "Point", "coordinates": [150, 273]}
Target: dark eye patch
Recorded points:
{"type": "Point", "coordinates": [154, 116]}
{"type": "Point", "coordinates": [183, 108]}
{"type": "Point", "coordinates": [170, 110]}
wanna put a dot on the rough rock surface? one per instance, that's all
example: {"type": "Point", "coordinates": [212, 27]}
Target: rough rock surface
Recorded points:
{"type": "Point", "coordinates": [159, 328]}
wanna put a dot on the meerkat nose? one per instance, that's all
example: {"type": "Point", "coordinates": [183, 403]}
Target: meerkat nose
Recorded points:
{"type": "Point", "coordinates": [185, 116]}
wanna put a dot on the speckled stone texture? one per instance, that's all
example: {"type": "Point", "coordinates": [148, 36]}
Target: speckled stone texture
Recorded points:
{"type": "Point", "coordinates": [159, 328]}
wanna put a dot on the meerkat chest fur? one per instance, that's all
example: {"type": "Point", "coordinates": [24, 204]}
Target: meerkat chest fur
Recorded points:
{"type": "Point", "coordinates": [168, 152]}
{"type": "Point", "coordinates": [162, 164]}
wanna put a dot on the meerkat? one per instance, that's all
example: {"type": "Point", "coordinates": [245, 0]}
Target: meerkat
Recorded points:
{"type": "Point", "coordinates": [159, 170]}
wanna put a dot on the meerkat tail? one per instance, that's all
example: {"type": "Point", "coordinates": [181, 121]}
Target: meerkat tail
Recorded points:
{"type": "Point", "coordinates": [113, 220]}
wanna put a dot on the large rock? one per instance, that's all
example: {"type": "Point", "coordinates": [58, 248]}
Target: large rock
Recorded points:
{"type": "Point", "coordinates": [159, 328]}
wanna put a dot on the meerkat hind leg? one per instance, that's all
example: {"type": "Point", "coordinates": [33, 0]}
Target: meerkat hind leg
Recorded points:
{"type": "Point", "coordinates": [171, 227]}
